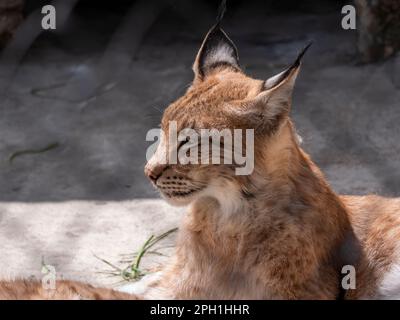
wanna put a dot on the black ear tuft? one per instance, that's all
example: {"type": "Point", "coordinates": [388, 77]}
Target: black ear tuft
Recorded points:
{"type": "Point", "coordinates": [300, 56]}
{"type": "Point", "coordinates": [221, 12]}
{"type": "Point", "coordinates": [274, 81]}
{"type": "Point", "coordinates": [217, 49]}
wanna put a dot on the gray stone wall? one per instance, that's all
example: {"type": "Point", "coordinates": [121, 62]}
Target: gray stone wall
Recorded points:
{"type": "Point", "coordinates": [11, 15]}
{"type": "Point", "coordinates": [379, 28]}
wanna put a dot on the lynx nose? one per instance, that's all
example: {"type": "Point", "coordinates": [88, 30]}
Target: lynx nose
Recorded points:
{"type": "Point", "coordinates": [153, 172]}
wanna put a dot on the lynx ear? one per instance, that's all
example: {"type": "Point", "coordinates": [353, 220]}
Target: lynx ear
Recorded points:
{"type": "Point", "coordinates": [275, 98]}
{"type": "Point", "coordinates": [217, 49]}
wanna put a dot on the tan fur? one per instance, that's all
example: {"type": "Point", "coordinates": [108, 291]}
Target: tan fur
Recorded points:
{"type": "Point", "coordinates": [376, 222]}
{"type": "Point", "coordinates": [278, 245]}
{"type": "Point", "coordinates": [65, 290]}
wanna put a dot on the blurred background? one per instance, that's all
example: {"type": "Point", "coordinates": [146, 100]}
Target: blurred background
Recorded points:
{"type": "Point", "coordinates": [76, 104]}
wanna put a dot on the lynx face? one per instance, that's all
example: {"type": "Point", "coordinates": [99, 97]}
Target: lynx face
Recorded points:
{"type": "Point", "coordinates": [220, 97]}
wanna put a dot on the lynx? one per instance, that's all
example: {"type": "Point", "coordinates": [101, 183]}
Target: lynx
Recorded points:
{"type": "Point", "coordinates": [280, 232]}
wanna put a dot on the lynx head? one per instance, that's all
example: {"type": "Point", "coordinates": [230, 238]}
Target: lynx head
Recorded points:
{"type": "Point", "coordinates": [221, 97]}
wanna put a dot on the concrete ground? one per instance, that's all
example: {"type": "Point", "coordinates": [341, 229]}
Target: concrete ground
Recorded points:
{"type": "Point", "coordinates": [95, 101]}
